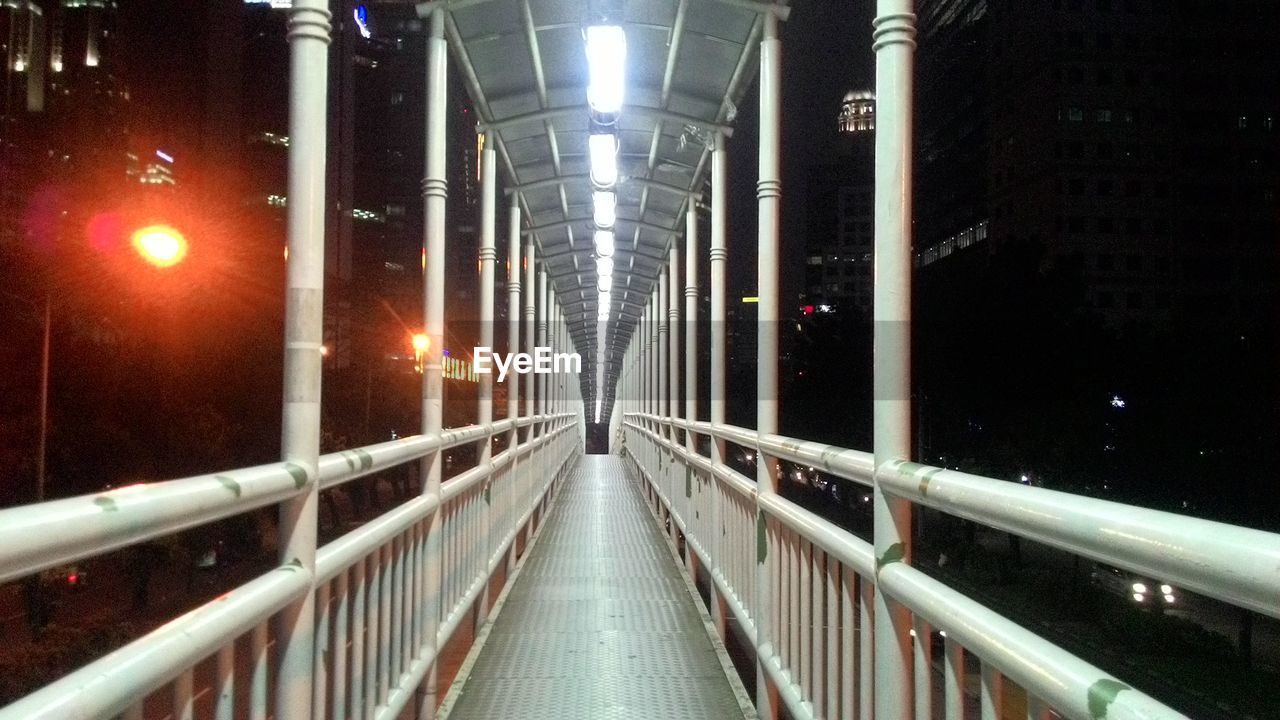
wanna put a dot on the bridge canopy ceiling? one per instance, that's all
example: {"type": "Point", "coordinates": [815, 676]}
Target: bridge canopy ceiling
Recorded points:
{"type": "Point", "coordinates": [524, 64]}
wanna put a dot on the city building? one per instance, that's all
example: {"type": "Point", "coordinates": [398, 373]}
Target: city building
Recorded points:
{"type": "Point", "coordinates": [839, 214]}
{"type": "Point", "coordinates": [1120, 135]}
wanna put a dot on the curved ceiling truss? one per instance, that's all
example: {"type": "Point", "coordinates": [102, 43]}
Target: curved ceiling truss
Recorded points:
{"type": "Point", "coordinates": [524, 65]}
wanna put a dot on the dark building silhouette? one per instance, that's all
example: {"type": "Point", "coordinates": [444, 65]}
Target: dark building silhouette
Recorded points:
{"type": "Point", "coordinates": [839, 213]}
{"type": "Point", "coordinates": [1133, 139]}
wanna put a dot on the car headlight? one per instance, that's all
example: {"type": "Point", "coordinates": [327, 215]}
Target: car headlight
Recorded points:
{"type": "Point", "coordinates": [1169, 598]}
{"type": "Point", "coordinates": [1166, 589]}
{"type": "Point", "coordinates": [1140, 588]}
{"type": "Point", "coordinates": [1139, 597]}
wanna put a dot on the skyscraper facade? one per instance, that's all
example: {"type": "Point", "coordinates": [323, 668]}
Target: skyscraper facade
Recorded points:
{"type": "Point", "coordinates": [1132, 139]}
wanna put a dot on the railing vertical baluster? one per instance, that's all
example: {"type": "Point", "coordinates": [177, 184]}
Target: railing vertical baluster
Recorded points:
{"type": "Point", "coordinates": [834, 625]}
{"type": "Point", "coordinates": [359, 682]}
{"type": "Point", "coordinates": [258, 685]}
{"type": "Point", "coordinates": [953, 680]}
{"type": "Point", "coordinates": [372, 605]}
{"type": "Point", "coordinates": [386, 570]}
{"type": "Point", "coordinates": [396, 548]}
{"type": "Point", "coordinates": [133, 713]}
{"type": "Point", "coordinates": [792, 601]}
{"type": "Point", "coordinates": [225, 703]}
{"type": "Point", "coordinates": [183, 702]}
{"type": "Point", "coordinates": [992, 698]}
{"type": "Point", "coordinates": [867, 673]}
{"type": "Point", "coordinates": [805, 619]}
{"type": "Point", "coordinates": [923, 668]}
{"type": "Point", "coordinates": [821, 619]}
{"type": "Point", "coordinates": [341, 629]}
{"type": "Point", "coordinates": [850, 645]}
{"type": "Point", "coordinates": [320, 684]}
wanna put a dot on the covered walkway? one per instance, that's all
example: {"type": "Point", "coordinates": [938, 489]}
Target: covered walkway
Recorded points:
{"type": "Point", "coordinates": [600, 623]}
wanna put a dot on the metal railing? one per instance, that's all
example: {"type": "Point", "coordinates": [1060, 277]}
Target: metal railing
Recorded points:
{"type": "Point", "coordinates": [818, 654]}
{"type": "Point", "coordinates": [369, 585]}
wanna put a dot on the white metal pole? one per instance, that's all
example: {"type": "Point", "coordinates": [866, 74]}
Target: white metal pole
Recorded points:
{"type": "Point", "coordinates": [769, 199]}
{"type": "Point", "coordinates": [662, 357]}
{"type": "Point", "coordinates": [673, 332]}
{"type": "Point", "coordinates": [529, 309]}
{"type": "Point", "coordinates": [304, 336]}
{"type": "Point", "coordinates": [488, 255]}
{"type": "Point", "coordinates": [894, 45]}
{"type": "Point", "coordinates": [513, 345]}
{"type": "Point", "coordinates": [719, 257]}
{"type": "Point", "coordinates": [691, 318]}
{"type": "Point", "coordinates": [435, 190]}
{"type": "Point", "coordinates": [543, 307]}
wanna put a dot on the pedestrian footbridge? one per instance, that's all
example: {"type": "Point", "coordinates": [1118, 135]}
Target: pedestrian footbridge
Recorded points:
{"type": "Point", "coordinates": [615, 586]}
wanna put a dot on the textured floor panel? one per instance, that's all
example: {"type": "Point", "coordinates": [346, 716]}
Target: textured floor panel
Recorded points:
{"type": "Point", "coordinates": [599, 625]}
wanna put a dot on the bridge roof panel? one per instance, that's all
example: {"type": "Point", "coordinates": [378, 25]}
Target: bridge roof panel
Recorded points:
{"type": "Point", "coordinates": [524, 62]}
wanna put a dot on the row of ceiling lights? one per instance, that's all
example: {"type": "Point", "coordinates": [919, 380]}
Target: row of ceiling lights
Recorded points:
{"type": "Point", "coordinates": [606, 68]}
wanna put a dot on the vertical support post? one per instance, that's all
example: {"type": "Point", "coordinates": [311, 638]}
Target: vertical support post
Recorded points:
{"type": "Point", "coordinates": [894, 45]}
{"type": "Point", "coordinates": [513, 379]}
{"type": "Point", "coordinates": [769, 199]}
{"type": "Point", "coordinates": [435, 190]}
{"type": "Point", "coordinates": [719, 256]}
{"type": "Point", "coordinates": [488, 255]}
{"type": "Point", "coordinates": [309, 39]}
{"type": "Point", "coordinates": [529, 309]}
{"type": "Point", "coordinates": [691, 318]}
{"type": "Point", "coordinates": [674, 492]}
{"type": "Point", "coordinates": [661, 357]}
{"type": "Point", "coordinates": [543, 314]}
{"type": "Point", "coordinates": [691, 366]}
{"type": "Point", "coordinates": [304, 331]}
{"type": "Point", "coordinates": [530, 386]}
{"type": "Point", "coordinates": [540, 381]}
{"type": "Point", "coordinates": [673, 333]}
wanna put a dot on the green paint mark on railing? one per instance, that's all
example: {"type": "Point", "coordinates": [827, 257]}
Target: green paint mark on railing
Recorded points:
{"type": "Point", "coordinates": [924, 481]}
{"type": "Point", "coordinates": [1102, 694]}
{"type": "Point", "coordinates": [909, 469]}
{"type": "Point", "coordinates": [488, 493]}
{"type": "Point", "coordinates": [293, 565]}
{"type": "Point", "coordinates": [366, 460]}
{"type": "Point", "coordinates": [298, 473]}
{"type": "Point", "coordinates": [762, 537]}
{"type": "Point", "coordinates": [895, 553]}
{"type": "Point", "coordinates": [688, 482]}
{"type": "Point", "coordinates": [827, 454]}
{"type": "Point", "coordinates": [229, 484]}
{"type": "Point", "coordinates": [107, 504]}
{"type": "Point", "coordinates": [351, 464]}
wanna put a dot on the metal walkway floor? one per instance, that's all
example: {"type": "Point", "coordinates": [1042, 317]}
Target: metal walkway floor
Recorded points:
{"type": "Point", "coordinates": [599, 624]}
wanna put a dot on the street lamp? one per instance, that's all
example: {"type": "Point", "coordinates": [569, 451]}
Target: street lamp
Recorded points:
{"type": "Point", "coordinates": [160, 245]}
{"type": "Point", "coordinates": [420, 344]}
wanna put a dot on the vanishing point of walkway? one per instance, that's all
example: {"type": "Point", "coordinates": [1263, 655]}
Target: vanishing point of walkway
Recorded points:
{"type": "Point", "coordinates": [600, 623]}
